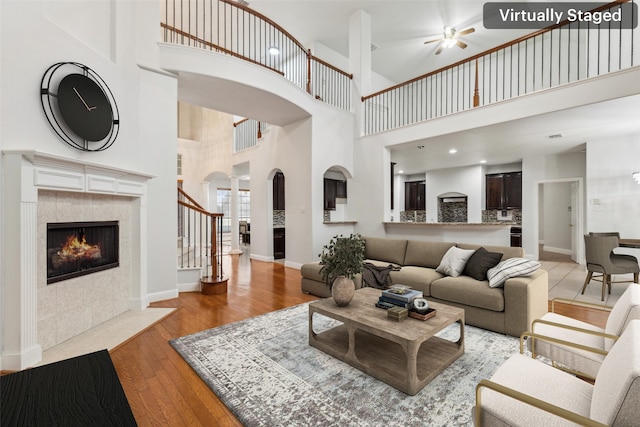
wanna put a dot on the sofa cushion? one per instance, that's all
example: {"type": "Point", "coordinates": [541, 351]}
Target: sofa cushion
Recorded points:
{"type": "Point", "coordinates": [454, 260]}
{"type": "Point", "coordinates": [468, 291]}
{"type": "Point", "coordinates": [418, 278]}
{"type": "Point", "coordinates": [311, 270]}
{"type": "Point", "coordinates": [508, 252]}
{"type": "Point", "coordinates": [426, 254]}
{"type": "Point", "coordinates": [513, 267]}
{"type": "Point", "coordinates": [480, 262]}
{"type": "Point", "coordinates": [386, 250]}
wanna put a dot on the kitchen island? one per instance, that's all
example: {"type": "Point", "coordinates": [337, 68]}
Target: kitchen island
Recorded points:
{"type": "Point", "coordinates": [482, 233]}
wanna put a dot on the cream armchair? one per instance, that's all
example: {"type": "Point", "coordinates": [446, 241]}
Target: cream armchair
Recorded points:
{"type": "Point", "coordinates": [580, 347]}
{"type": "Point", "coordinates": [527, 392]}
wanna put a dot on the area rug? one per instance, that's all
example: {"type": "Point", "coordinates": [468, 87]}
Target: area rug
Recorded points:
{"type": "Point", "coordinates": [266, 373]}
{"type": "Point", "coordinates": [81, 391]}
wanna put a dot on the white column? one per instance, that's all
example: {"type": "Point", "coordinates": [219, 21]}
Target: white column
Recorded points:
{"type": "Point", "coordinates": [233, 211]}
{"type": "Point", "coordinates": [360, 62]}
{"type": "Point", "coordinates": [206, 198]}
{"type": "Point", "coordinates": [20, 300]}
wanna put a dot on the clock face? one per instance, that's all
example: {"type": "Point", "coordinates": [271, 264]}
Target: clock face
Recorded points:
{"type": "Point", "coordinates": [79, 106]}
{"type": "Point", "coordinates": [84, 107]}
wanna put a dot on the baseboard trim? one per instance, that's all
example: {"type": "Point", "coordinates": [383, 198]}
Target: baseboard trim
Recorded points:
{"type": "Point", "coordinates": [557, 250]}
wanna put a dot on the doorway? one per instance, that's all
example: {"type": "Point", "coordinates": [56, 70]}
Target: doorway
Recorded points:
{"type": "Point", "coordinates": [561, 220]}
{"type": "Point", "coordinates": [279, 237]}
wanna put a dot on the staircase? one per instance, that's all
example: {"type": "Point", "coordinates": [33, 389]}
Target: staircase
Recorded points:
{"type": "Point", "coordinates": [199, 248]}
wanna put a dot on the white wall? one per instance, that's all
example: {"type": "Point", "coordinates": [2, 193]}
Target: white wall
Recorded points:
{"type": "Point", "coordinates": [467, 181]}
{"type": "Point", "coordinates": [613, 197]}
{"type": "Point", "coordinates": [288, 149]}
{"type": "Point", "coordinates": [118, 40]}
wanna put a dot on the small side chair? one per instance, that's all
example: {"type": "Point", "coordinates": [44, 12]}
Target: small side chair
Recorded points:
{"type": "Point", "coordinates": [601, 260]}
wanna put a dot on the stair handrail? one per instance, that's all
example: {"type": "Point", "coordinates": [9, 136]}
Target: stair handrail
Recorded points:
{"type": "Point", "coordinates": [215, 235]}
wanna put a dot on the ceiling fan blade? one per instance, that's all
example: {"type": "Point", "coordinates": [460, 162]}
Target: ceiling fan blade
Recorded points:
{"type": "Point", "coordinates": [432, 41]}
{"type": "Point", "coordinates": [461, 44]}
{"type": "Point", "coordinates": [439, 50]}
{"type": "Point", "coordinates": [465, 32]}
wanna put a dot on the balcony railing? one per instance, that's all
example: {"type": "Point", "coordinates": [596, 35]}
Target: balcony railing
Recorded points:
{"type": "Point", "coordinates": [548, 58]}
{"type": "Point", "coordinates": [246, 134]}
{"type": "Point", "coordinates": [231, 28]}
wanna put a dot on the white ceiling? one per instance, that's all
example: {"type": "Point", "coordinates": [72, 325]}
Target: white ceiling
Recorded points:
{"type": "Point", "coordinates": [399, 29]}
{"type": "Point", "coordinates": [509, 142]}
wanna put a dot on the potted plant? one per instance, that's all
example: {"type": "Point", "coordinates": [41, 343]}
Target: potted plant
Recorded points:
{"type": "Point", "coordinates": [342, 259]}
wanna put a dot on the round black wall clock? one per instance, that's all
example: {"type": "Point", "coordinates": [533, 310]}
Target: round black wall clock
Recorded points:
{"type": "Point", "coordinates": [79, 106]}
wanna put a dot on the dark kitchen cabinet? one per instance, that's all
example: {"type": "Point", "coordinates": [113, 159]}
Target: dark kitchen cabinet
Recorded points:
{"type": "Point", "coordinates": [513, 190]}
{"type": "Point", "coordinates": [494, 184]}
{"type": "Point", "coordinates": [278, 243]}
{"type": "Point", "coordinates": [341, 189]}
{"type": "Point", "coordinates": [329, 194]}
{"type": "Point", "coordinates": [333, 188]}
{"type": "Point", "coordinates": [504, 191]}
{"type": "Point", "coordinates": [414, 196]}
{"type": "Point", "coordinates": [278, 191]}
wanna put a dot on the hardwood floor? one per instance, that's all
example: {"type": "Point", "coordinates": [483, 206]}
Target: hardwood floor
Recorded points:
{"type": "Point", "coordinates": [163, 390]}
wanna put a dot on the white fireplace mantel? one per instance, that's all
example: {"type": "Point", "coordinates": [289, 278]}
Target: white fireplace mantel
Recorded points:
{"type": "Point", "coordinates": [24, 173]}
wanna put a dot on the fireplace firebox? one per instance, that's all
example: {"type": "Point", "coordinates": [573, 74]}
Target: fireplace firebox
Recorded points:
{"type": "Point", "coordinates": [78, 248]}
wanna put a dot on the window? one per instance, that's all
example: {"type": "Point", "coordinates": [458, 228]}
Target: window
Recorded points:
{"type": "Point", "coordinates": [223, 205]}
{"type": "Point", "coordinates": [179, 164]}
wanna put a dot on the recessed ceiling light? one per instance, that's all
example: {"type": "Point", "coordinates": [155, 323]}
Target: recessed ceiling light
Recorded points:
{"type": "Point", "coordinates": [274, 50]}
{"type": "Point", "coordinates": [483, 161]}
{"type": "Point", "coordinates": [453, 151]}
{"type": "Point", "coordinates": [400, 171]}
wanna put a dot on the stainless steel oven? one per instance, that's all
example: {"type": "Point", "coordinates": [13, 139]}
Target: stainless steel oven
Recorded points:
{"type": "Point", "coordinates": [516, 237]}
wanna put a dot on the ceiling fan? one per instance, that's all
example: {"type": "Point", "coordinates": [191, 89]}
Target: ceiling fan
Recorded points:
{"type": "Point", "coordinates": [450, 38]}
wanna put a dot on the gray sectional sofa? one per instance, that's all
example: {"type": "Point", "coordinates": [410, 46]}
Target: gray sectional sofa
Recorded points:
{"type": "Point", "coordinates": [509, 309]}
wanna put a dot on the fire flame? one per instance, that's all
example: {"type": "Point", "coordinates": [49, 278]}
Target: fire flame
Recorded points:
{"type": "Point", "coordinates": [77, 248]}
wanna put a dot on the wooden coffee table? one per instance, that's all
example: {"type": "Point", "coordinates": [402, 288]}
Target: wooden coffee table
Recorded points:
{"type": "Point", "coordinates": [405, 355]}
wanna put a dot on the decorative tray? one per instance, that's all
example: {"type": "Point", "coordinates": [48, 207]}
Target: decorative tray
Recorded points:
{"type": "Point", "coordinates": [428, 315]}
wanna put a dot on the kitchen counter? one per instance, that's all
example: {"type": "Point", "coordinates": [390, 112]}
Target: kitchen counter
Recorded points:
{"type": "Point", "coordinates": [453, 224]}
{"type": "Point", "coordinates": [339, 222]}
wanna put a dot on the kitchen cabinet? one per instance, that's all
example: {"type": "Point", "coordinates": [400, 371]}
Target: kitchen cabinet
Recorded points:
{"type": "Point", "coordinates": [278, 191]}
{"type": "Point", "coordinates": [414, 196]}
{"type": "Point", "coordinates": [278, 243]}
{"type": "Point", "coordinates": [333, 188]}
{"type": "Point", "coordinates": [341, 189]}
{"type": "Point", "coordinates": [504, 191]}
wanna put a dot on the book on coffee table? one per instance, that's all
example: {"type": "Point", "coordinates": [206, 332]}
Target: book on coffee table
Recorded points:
{"type": "Point", "coordinates": [396, 302]}
{"type": "Point", "coordinates": [408, 296]}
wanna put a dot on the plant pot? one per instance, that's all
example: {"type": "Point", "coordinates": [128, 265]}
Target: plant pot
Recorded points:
{"type": "Point", "coordinates": [342, 291]}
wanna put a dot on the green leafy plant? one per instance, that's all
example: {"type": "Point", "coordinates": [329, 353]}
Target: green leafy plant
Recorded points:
{"type": "Point", "coordinates": [342, 256]}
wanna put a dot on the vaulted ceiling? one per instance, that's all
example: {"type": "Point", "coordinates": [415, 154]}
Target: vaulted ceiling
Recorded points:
{"type": "Point", "coordinates": [399, 29]}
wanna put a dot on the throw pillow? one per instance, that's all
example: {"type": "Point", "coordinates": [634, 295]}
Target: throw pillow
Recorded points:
{"type": "Point", "coordinates": [454, 260]}
{"type": "Point", "coordinates": [480, 262]}
{"type": "Point", "coordinates": [512, 267]}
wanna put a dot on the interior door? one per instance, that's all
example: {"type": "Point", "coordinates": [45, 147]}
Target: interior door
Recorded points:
{"type": "Point", "coordinates": [574, 222]}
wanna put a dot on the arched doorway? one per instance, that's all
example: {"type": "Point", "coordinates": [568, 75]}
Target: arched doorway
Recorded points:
{"type": "Point", "coordinates": [278, 215]}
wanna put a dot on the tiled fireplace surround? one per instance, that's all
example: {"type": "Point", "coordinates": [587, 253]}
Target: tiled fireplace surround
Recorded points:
{"type": "Point", "coordinates": [41, 188]}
